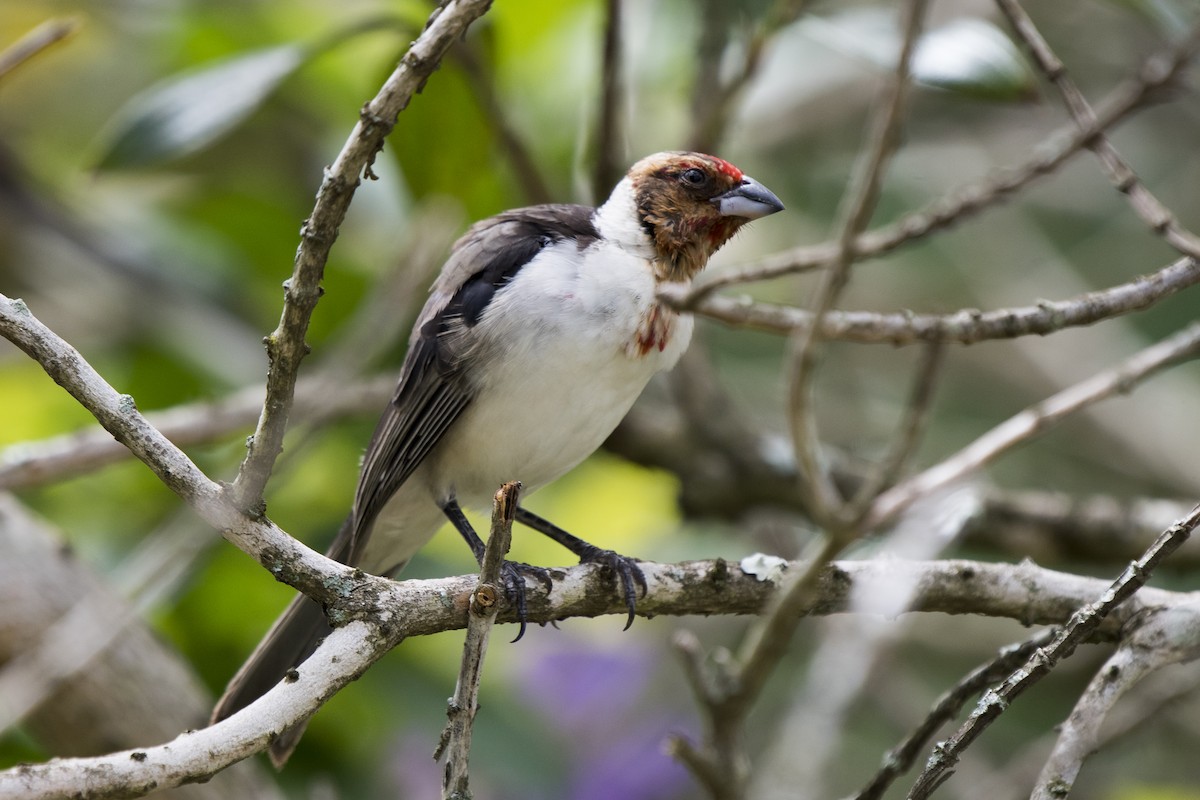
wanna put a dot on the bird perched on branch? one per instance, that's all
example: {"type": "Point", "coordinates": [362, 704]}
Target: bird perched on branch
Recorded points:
{"type": "Point", "coordinates": [539, 334]}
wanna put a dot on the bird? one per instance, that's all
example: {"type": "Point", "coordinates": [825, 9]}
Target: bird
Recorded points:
{"type": "Point", "coordinates": [541, 330]}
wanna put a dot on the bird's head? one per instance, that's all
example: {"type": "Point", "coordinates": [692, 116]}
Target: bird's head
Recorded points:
{"type": "Point", "coordinates": [690, 204]}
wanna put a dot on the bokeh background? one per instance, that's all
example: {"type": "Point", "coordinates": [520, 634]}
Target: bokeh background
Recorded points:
{"type": "Point", "coordinates": [158, 246]}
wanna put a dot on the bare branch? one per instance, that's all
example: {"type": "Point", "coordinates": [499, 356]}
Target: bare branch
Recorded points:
{"type": "Point", "coordinates": [607, 169]}
{"type": "Point", "coordinates": [485, 603]}
{"type": "Point", "coordinates": [286, 346]}
{"type": "Point", "coordinates": [1035, 420]}
{"type": "Point", "coordinates": [912, 426]}
{"type": "Point", "coordinates": [1081, 625]}
{"type": "Point", "coordinates": [287, 559]}
{"type": "Point", "coordinates": [714, 100]}
{"type": "Point", "coordinates": [1159, 639]}
{"type": "Point", "coordinates": [858, 205]}
{"type": "Point", "coordinates": [422, 607]}
{"type": "Point", "coordinates": [34, 42]}
{"type": "Point", "coordinates": [1143, 202]}
{"type": "Point", "coordinates": [1159, 71]}
{"type": "Point", "coordinates": [1079, 734]}
{"type": "Point", "coordinates": [967, 326]}
{"type": "Point", "coordinates": [900, 758]}
{"type": "Point", "coordinates": [29, 464]}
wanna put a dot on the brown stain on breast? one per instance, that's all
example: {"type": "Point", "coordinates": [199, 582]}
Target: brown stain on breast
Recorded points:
{"type": "Point", "coordinates": [653, 332]}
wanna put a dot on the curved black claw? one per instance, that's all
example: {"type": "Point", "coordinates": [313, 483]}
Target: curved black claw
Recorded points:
{"type": "Point", "coordinates": [512, 576]}
{"type": "Point", "coordinates": [626, 570]}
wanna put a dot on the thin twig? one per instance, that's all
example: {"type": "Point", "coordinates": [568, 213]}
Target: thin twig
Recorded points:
{"type": "Point", "coordinates": [1081, 625]}
{"type": "Point", "coordinates": [966, 326]}
{"type": "Point", "coordinates": [288, 560]}
{"type": "Point", "coordinates": [900, 758]}
{"type": "Point", "coordinates": [286, 346]}
{"type": "Point", "coordinates": [713, 99]}
{"type": "Point", "coordinates": [912, 426]}
{"type": "Point", "coordinates": [1157, 72]}
{"type": "Point", "coordinates": [28, 464]}
{"type": "Point", "coordinates": [1079, 734]}
{"type": "Point", "coordinates": [333, 390]}
{"type": "Point", "coordinates": [485, 603]}
{"type": "Point", "coordinates": [721, 766]}
{"type": "Point", "coordinates": [728, 695]}
{"type": "Point", "coordinates": [525, 166]}
{"type": "Point", "coordinates": [1158, 639]}
{"type": "Point", "coordinates": [858, 205]}
{"type": "Point", "coordinates": [1148, 208]}
{"type": "Point", "coordinates": [1097, 529]}
{"type": "Point", "coordinates": [608, 125]}
{"type": "Point", "coordinates": [34, 42]}
{"type": "Point", "coordinates": [1035, 420]}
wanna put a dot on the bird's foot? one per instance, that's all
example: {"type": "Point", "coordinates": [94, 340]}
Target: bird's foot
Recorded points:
{"type": "Point", "coordinates": [512, 577]}
{"type": "Point", "coordinates": [625, 569]}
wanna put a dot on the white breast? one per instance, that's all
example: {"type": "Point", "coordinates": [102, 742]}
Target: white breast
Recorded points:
{"type": "Point", "coordinates": [560, 364]}
{"type": "Point", "coordinates": [561, 372]}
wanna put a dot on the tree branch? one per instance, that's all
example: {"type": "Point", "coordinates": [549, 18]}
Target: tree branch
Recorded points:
{"type": "Point", "coordinates": [607, 169]}
{"type": "Point", "coordinates": [966, 326]}
{"type": "Point", "coordinates": [1148, 208]}
{"type": "Point", "coordinates": [484, 605]}
{"type": "Point", "coordinates": [1081, 626]}
{"type": "Point", "coordinates": [34, 42]}
{"type": "Point", "coordinates": [858, 205]}
{"type": "Point", "coordinates": [286, 346]}
{"type": "Point", "coordinates": [287, 559]}
{"type": "Point", "coordinates": [900, 758]}
{"type": "Point", "coordinates": [422, 607]}
{"type": "Point", "coordinates": [1158, 71]}
{"type": "Point", "coordinates": [1158, 639]}
{"type": "Point", "coordinates": [1035, 420]}
{"type": "Point", "coordinates": [28, 464]}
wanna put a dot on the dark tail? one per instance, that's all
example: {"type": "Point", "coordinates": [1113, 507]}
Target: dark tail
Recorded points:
{"type": "Point", "coordinates": [292, 639]}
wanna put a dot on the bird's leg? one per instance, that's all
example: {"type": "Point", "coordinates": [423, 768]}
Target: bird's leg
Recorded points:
{"type": "Point", "coordinates": [512, 573]}
{"type": "Point", "coordinates": [625, 568]}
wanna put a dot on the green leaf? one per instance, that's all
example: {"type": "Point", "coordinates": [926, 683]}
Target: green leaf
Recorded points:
{"type": "Point", "coordinates": [189, 111]}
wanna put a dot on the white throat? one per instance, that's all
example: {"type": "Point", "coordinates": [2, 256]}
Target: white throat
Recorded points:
{"type": "Point", "coordinates": [618, 221]}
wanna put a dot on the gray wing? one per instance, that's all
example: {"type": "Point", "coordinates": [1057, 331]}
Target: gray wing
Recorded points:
{"type": "Point", "coordinates": [436, 383]}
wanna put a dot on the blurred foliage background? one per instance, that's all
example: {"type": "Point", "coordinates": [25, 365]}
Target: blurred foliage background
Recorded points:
{"type": "Point", "coordinates": [157, 245]}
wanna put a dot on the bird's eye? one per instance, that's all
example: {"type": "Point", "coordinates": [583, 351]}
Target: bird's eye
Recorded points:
{"type": "Point", "coordinates": [694, 176]}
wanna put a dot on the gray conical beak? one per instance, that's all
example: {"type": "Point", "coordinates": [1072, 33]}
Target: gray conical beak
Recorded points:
{"type": "Point", "coordinates": [750, 200]}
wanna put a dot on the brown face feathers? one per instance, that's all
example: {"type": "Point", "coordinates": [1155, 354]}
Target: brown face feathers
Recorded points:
{"type": "Point", "coordinates": [673, 193]}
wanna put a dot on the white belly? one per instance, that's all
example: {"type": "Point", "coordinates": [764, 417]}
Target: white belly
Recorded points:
{"type": "Point", "coordinates": [564, 371]}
